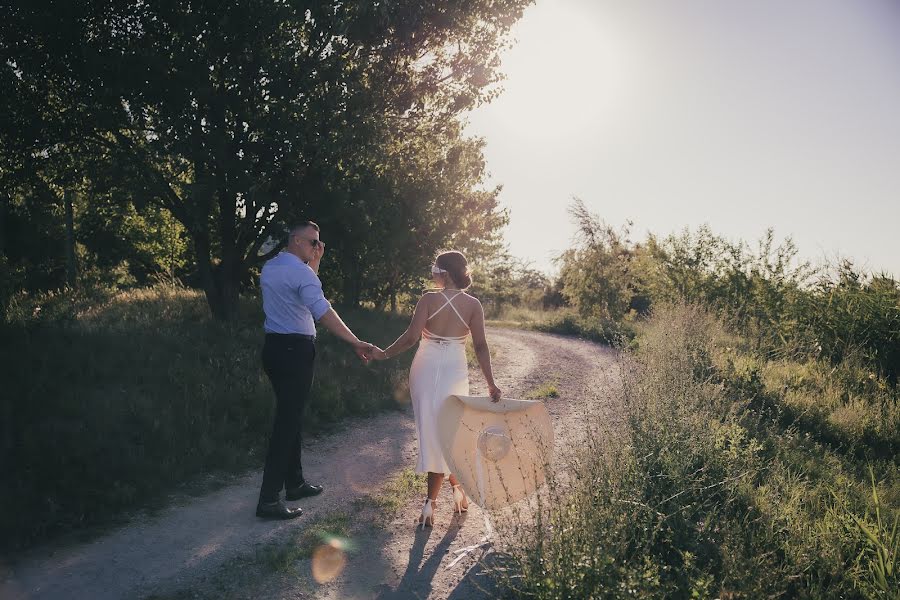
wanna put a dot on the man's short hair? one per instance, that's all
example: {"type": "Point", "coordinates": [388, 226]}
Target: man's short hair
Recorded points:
{"type": "Point", "coordinates": [301, 226]}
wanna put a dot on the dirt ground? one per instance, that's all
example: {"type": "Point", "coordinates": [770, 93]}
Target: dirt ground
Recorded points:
{"type": "Point", "coordinates": [196, 549]}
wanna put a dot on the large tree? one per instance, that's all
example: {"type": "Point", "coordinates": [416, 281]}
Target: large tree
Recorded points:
{"type": "Point", "coordinates": [241, 117]}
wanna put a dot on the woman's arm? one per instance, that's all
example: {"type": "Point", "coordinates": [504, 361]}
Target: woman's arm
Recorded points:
{"type": "Point", "coordinates": [410, 336]}
{"type": "Point", "coordinates": [482, 352]}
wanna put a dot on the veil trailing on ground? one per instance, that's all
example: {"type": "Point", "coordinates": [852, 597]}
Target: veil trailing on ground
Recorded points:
{"type": "Point", "coordinates": [499, 451]}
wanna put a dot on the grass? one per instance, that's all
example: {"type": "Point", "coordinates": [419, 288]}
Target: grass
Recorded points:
{"type": "Point", "coordinates": [110, 404]}
{"type": "Point", "coordinates": [302, 543]}
{"type": "Point", "coordinates": [565, 321]}
{"type": "Point", "coordinates": [847, 405]}
{"type": "Point", "coordinates": [398, 490]}
{"type": "Point", "coordinates": [713, 490]}
{"type": "Point", "coordinates": [545, 390]}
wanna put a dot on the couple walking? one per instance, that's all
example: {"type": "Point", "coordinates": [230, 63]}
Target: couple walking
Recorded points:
{"type": "Point", "coordinates": [442, 320]}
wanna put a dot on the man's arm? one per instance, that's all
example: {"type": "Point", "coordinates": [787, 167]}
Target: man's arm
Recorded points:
{"type": "Point", "coordinates": [311, 296]}
{"type": "Point", "coordinates": [333, 322]}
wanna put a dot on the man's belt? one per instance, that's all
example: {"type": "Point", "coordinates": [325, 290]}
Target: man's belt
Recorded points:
{"type": "Point", "coordinates": [292, 336]}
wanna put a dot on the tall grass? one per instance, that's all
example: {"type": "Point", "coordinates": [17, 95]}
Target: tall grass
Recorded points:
{"type": "Point", "coordinates": [111, 403]}
{"type": "Point", "coordinates": [565, 321]}
{"type": "Point", "coordinates": [708, 493]}
{"type": "Point", "coordinates": [786, 307]}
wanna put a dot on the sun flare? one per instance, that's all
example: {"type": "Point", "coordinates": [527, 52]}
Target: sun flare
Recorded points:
{"type": "Point", "coordinates": [568, 84]}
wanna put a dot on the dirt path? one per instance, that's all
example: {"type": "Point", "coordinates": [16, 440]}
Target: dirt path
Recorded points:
{"type": "Point", "coordinates": [188, 547]}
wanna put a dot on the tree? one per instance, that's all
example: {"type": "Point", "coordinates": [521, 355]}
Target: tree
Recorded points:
{"type": "Point", "coordinates": [596, 275]}
{"type": "Point", "coordinates": [240, 118]}
{"type": "Point", "coordinates": [505, 281]}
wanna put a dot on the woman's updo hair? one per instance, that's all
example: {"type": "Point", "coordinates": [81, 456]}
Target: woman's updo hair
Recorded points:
{"type": "Point", "coordinates": [457, 267]}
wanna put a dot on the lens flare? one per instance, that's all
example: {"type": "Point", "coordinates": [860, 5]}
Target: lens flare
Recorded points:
{"type": "Point", "coordinates": [401, 390]}
{"type": "Point", "coordinates": [494, 443]}
{"type": "Point", "coordinates": [329, 560]}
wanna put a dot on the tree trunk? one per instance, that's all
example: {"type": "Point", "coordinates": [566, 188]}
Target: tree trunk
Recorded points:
{"type": "Point", "coordinates": [350, 286]}
{"type": "Point", "coordinates": [206, 271]}
{"type": "Point", "coordinates": [220, 286]}
{"type": "Point", "coordinates": [227, 288]}
{"type": "Point", "coordinates": [4, 208]}
{"type": "Point", "coordinates": [227, 274]}
{"type": "Point", "coordinates": [394, 301]}
{"type": "Point", "coordinates": [220, 280]}
{"type": "Point", "coordinates": [70, 239]}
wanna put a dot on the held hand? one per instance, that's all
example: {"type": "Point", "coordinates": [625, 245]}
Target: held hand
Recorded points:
{"type": "Point", "coordinates": [362, 350]}
{"type": "Point", "coordinates": [494, 392]}
{"type": "Point", "coordinates": [377, 353]}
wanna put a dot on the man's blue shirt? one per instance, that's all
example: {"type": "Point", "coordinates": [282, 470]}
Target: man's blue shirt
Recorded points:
{"type": "Point", "coordinates": [292, 296]}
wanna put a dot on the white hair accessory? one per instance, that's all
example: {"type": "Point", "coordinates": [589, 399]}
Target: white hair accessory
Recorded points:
{"type": "Point", "coordinates": [436, 269]}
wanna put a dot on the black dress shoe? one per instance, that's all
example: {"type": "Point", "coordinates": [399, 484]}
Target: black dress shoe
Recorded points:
{"type": "Point", "coordinates": [303, 491]}
{"type": "Point", "coordinates": [277, 510]}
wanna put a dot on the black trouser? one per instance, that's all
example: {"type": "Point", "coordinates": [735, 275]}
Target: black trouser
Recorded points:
{"type": "Point", "coordinates": [288, 361]}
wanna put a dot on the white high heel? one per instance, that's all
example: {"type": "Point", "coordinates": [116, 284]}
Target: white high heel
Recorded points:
{"type": "Point", "coordinates": [427, 516]}
{"type": "Point", "coordinates": [458, 497]}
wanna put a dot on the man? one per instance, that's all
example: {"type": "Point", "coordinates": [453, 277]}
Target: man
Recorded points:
{"type": "Point", "coordinates": [292, 302]}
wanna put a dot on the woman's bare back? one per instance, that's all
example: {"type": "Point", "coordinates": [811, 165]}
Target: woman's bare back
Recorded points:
{"type": "Point", "coordinates": [443, 320]}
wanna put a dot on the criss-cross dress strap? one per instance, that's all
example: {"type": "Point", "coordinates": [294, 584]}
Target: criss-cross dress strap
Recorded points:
{"type": "Point", "coordinates": [447, 301]}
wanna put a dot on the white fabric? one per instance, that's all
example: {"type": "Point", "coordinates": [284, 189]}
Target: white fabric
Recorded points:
{"type": "Point", "coordinates": [517, 440]}
{"type": "Point", "coordinates": [488, 528]}
{"type": "Point", "coordinates": [438, 370]}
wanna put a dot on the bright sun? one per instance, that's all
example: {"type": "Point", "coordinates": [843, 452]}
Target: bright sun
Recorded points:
{"type": "Point", "coordinates": [566, 79]}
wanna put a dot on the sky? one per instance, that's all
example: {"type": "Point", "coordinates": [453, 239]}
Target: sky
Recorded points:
{"type": "Point", "coordinates": [740, 115]}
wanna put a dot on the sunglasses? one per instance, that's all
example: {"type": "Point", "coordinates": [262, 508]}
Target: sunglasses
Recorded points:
{"type": "Point", "coordinates": [312, 242]}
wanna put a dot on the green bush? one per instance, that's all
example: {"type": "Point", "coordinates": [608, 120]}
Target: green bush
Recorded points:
{"type": "Point", "coordinates": [592, 328]}
{"type": "Point", "coordinates": [778, 302]}
{"type": "Point", "coordinates": [566, 321]}
{"type": "Point", "coordinates": [703, 494]}
{"type": "Point", "coordinates": [853, 314]}
{"type": "Point", "coordinates": [109, 406]}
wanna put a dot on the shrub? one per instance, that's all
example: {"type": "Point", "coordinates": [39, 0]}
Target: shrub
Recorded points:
{"type": "Point", "coordinates": [111, 405]}
{"type": "Point", "coordinates": [702, 495]}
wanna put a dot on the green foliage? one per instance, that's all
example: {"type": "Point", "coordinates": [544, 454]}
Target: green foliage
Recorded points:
{"type": "Point", "coordinates": [396, 492]}
{"type": "Point", "coordinates": [128, 397]}
{"type": "Point", "coordinates": [566, 321]}
{"type": "Point", "coordinates": [850, 313]}
{"type": "Point", "coordinates": [597, 329]}
{"type": "Point", "coordinates": [33, 235]}
{"type": "Point", "coordinates": [545, 390]}
{"type": "Point", "coordinates": [875, 569]}
{"type": "Point", "coordinates": [117, 244]}
{"type": "Point", "coordinates": [241, 119]}
{"type": "Point", "coordinates": [503, 282]}
{"type": "Point", "coordinates": [283, 557]}
{"type": "Point", "coordinates": [754, 289]}
{"type": "Point", "coordinates": [151, 241]}
{"type": "Point", "coordinates": [596, 276]}
{"type": "Point", "coordinates": [703, 494]}
{"type": "Point", "coordinates": [786, 308]}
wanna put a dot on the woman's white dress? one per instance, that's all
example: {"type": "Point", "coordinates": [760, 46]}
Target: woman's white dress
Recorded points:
{"type": "Point", "coordinates": [438, 370]}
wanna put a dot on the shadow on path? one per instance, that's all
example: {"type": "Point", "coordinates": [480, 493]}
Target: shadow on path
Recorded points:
{"type": "Point", "coordinates": [417, 580]}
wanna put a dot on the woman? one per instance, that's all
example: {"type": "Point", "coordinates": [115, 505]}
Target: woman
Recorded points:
{"type": "Point", "coordinates": [442, 319]}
